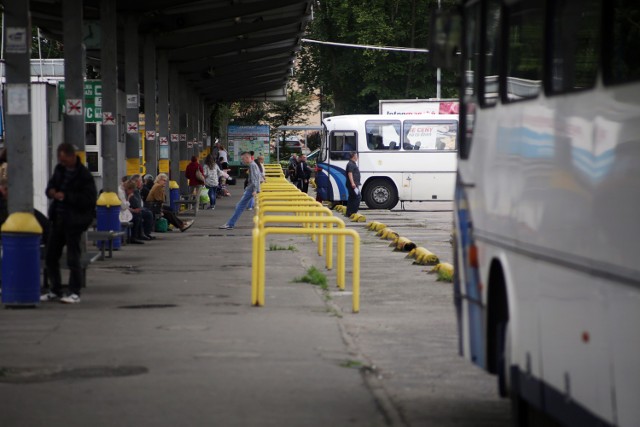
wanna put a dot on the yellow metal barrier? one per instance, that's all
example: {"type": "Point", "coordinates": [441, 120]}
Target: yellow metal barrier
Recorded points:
{"type": "Point", "coordinates": [261, 210]}
{"type": "Point", "coordinates": [280, 196]}
{"type": "Point", "coordinates": [259, 254]}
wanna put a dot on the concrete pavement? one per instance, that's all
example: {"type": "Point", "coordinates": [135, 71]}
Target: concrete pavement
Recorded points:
{"type": "Point", "coordinates": [212, 359]}
{"type": "Point", "coordinates": [165, 335]}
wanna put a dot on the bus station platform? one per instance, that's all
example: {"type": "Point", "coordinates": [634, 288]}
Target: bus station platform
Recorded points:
{"type": "Point", "coordinates": [166, 335]}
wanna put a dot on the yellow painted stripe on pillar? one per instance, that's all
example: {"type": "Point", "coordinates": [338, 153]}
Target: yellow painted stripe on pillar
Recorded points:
{"type": "Point", "coordinates": [133, 166]}
{"type": "Point", "coordinates": [83, 157]}
{"type": "Point", "coordinates": [22, 222]}
{"type": "Point", "coordinates": [163, 165]}
{"type": "Point", "coordinates": [183, 165]}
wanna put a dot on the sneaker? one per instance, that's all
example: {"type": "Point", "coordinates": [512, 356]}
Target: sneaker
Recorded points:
{"type": "Point", "coordinates": [249, 209]}
{"type": "Point", "coordinates": [49, 296]}
{"type": "Point", "coordinates": [71, 299]}
{"type": "Point", "coordinates": [226, 227]}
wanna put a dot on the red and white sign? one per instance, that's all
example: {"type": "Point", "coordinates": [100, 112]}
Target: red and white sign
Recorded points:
{"type": "Point", "coordinates": [164, 140]}
{"type": "Point", "coordinates": [74, 107]}
{"type": "Point", "coordinates": [150, 135]}
{"type": "Point", "coordinates": [132, 127]}
{"type": "Point", "coordinates": [183, 137]}
{"type": "Point", "coordinates": [175, 137]}
{"type": "Point", "coordinates": [189, 144]}
{"type": "Point", "coordinates": [108, 119]}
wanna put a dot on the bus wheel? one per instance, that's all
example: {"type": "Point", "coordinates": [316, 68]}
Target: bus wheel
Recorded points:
{"type": "Point", "coordinates": [503, 363]}
{"type": "Point", "coordinates": [381, 194]}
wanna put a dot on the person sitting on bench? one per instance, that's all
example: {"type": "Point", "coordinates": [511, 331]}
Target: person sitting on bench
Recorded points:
{"type": "Point", "coordinates": [156, 199]}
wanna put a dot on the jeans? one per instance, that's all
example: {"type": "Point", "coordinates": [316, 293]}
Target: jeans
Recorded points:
{"type": "Point", "coordinates": [59, 236]}
{"type": "Point", "coordinates": [147, 221]}
{"type": "Point", "coordinates": [136, 229]}
{"type": "Point", "coordinates": [212, 195]}
{"type": "Point", "coordinates": [247, 196]}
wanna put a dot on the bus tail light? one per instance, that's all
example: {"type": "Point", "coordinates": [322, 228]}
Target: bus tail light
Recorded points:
{"type": "Point", "coordinates": [473, 256]}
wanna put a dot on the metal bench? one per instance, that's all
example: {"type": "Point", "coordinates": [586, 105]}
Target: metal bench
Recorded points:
{"type": "Point", "coordinates": [104, 236]}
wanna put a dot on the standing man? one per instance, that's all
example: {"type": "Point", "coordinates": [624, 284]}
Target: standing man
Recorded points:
{"type": "Point", "coordinates": [303, 172]}
{"type": "Point", "coordinates": [353, 184]}
{"type": "Point", "coordinates": [74, 201]}
{"type": "Point", "coordinates": [291, 168]}
{"type": "Point", "coordinates": [253, 188]}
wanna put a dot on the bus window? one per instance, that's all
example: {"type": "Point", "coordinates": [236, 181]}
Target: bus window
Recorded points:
{"type": "Point", "coordinates": [428, 136]}
{"type": "Point", "coordinates": [383, 135]}
{"type": "Point", "coordinates": [575, 41]}
{"type": "Point", "coordinates": [470, 55]}
{"type": "Point", "coordinates": [622, 26]}
{"type": "Point", "coordinates": [492, 36]}
{"type": "Point", "coordinates": [524, 48]}
{"type": "Point", "coordinates": [342, 143]}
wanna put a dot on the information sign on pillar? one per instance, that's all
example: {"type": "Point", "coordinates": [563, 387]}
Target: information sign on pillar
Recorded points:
{"type": "Point", "coordinates": [150, 135]}
{"type": "Point", "coordinates": [183, 137]}
{"type": "Point", "coordinates": [132, 101]}
{"type": "Point", "coordinates": [132, 127]}
{"type": "Point", "coordinates": [163, 143]}
{"type": "Point", "coordinates": [189, 144]}
{"type": "Point", "coordinates": [175, 137]}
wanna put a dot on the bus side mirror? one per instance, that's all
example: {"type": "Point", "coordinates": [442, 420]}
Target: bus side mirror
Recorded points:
{"type": "Point", "coordinates": [445, 39]}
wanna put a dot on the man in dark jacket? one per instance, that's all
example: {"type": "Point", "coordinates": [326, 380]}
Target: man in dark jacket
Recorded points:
{"type": "Point", "coordinates": [74, 195]}
{"type": "Point", "coordinates": [303, 172]}
{"type": "Point", "coordinates": [353, 184]}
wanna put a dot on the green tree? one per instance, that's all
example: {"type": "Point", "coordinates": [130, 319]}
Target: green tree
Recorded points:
{"type": "Point", "coordinates": [293, 111]}
{"type": "Point", "coordinates": [247, 112]}
{"type": "Point", "coordinates": [48, 47]}
{"type": "Point", "coordinates": [354, 80]}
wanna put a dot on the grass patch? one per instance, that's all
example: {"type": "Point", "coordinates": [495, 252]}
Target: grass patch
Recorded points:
{"type": "Point", "coordinates": [274, 247]}
{"type": "Point", "coordinates": [315, 277]}
{"type": "Point", "coordinates": [351, 364]}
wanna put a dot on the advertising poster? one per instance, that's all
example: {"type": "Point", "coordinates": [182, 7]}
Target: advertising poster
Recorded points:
{"type": "Point", "coordinates": [247, 138]}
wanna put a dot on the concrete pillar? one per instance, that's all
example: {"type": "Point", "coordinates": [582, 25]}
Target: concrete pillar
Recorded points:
{"type": "Point", "coordinates": [193, 123]}
{"type": "Point", "coordinates": [132, 89]}
{"type": "Point", "coordinates": [21, 231]}
{"type": "Point", "coordinates": [109, 73]}
{"type": "Point", "coordinates": [74, 72]}
{"type": "Point", "coordinates": [150, 150]}
{"type": "Point", "coordinates": [163, 111]}
{"type": "Point", "coordinates": [184, 124]}
{"type": "Point", "coordinates": [174, 140]}
{"type": "Point", "coordinates": [18, 105]}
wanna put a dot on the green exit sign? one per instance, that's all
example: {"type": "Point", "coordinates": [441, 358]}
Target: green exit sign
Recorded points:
{"type": "Point", "coordinates": [92, 100]}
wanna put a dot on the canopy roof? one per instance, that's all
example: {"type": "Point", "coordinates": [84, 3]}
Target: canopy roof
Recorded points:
{"type": "Point", "coordinates": [225, 49]}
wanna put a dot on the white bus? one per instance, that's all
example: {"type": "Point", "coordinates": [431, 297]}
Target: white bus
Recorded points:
{"type": "Point", "coordinates": [400, 159]}
{"type": "Point", "coordinates": [547, 209]}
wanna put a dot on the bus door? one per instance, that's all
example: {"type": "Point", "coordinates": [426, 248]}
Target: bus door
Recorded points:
{"type": "Point", "coordinates": [331, 179]}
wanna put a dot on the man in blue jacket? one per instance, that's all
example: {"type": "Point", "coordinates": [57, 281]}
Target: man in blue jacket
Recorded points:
{"type": "Point", "coordinates": [74, 195]}
{"type": "Point", "coordinates": [253, 188]}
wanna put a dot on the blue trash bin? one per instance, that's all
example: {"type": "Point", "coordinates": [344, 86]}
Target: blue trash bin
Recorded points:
{"type": "Point", "coordinates": [174, 196]}
{"type": "Point", "coordinates": [108, 219]}
{"type": "Point", "coordinates": [20, 269]}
